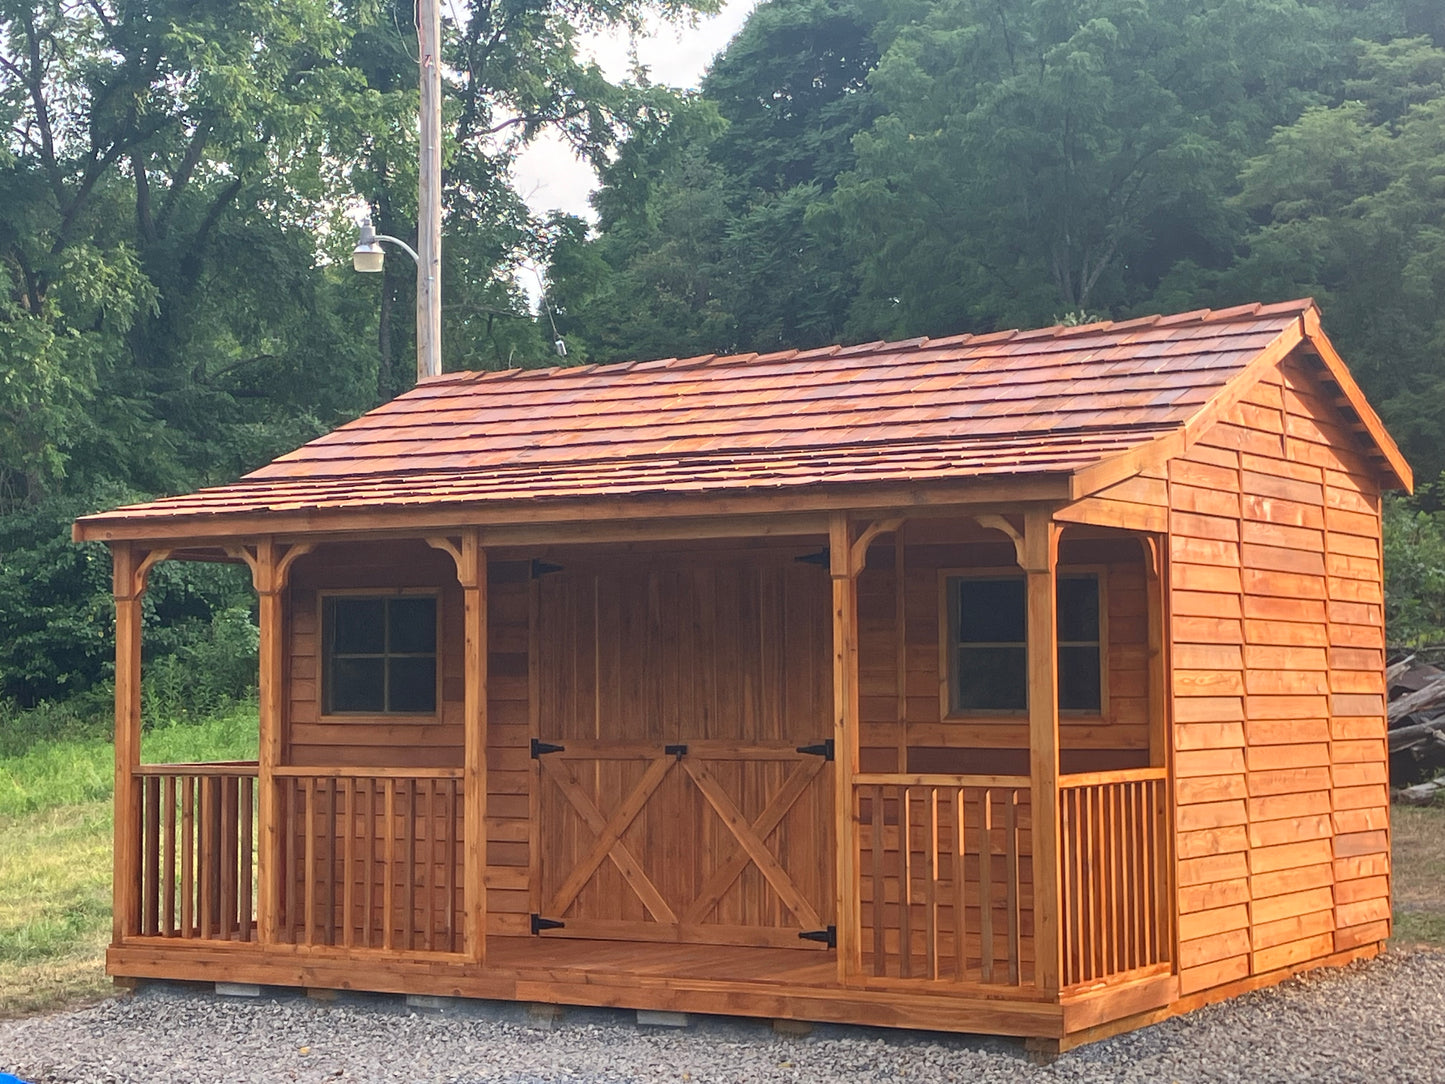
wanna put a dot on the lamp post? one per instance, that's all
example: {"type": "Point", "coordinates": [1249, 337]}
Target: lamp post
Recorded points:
{"type": "Point", "coordinates": [368, 255]}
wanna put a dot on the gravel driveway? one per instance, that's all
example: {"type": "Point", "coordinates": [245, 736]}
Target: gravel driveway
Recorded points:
{"type": "Point", "coordinates": [1381, 1021]}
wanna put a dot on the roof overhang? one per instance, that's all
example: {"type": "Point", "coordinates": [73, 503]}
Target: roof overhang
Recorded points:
{"type": "Point", "coordinates": [511, 522]}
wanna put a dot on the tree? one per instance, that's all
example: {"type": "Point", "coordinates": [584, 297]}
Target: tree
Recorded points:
{"type": "Point", "coordinates": [1347, 208]}
{"type": "Point", "coordinates": [704, 244]}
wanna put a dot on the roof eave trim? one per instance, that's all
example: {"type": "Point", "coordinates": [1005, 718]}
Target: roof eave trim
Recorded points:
{"type": "Point", "coordinates": [1374, 428]}
{"type": "Point", "coordinates": [1014, 489]}
{"type": "Point", "coordinates": [1161, 449]}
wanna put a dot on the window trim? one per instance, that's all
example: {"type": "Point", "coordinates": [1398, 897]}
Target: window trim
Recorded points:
{"type": "Point", "coordinates": [946, 633]}
{"type": "Point", "coordinates": [323, 669]}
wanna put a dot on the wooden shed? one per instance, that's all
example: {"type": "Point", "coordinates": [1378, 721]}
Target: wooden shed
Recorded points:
{"type": "Point", "coordinates": [1027, 683]}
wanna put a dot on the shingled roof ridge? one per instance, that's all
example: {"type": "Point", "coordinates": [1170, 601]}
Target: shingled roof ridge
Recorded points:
{"type": "Point", "coordinates": [880, 346]}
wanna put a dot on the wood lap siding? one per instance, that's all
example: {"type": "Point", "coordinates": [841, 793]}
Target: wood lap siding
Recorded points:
{"type": "Point", "coordinates": [312, 742]}
{"type": "Point", "coordinates": [1278, 637]}
{"type": "Point", "coordinates": [928, 742]}
{"type": "Point", "coordinates": [315, 741]}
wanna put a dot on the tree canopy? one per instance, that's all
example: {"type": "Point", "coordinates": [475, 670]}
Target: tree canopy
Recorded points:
{"type": "Point", "coordinates": [177, 179]}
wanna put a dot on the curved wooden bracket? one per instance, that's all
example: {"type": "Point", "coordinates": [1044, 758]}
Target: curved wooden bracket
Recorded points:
{"type": "Point", "coordinates": [269, 563]}
{"type": "Point", "coordinates": [858, 553]}
{"type": "Point", "coordinates": [995, 522]}
{"type": "Point", "coordinates": [132, 570]}
{"type": "Point", "coordinates": [848, 554]}
{"type": "Point", "coordinates": [463, 550]}
{"type": "Point", "coordinates": [1153, 548]}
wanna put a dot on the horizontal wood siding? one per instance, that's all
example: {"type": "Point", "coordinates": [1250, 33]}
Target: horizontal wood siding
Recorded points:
{"type": "Point", "coordinates": [909, 733]}
{"type": "Point", "coordinates": [1278, 637]}
{"type": "Point", "coordinates": [316, 742]}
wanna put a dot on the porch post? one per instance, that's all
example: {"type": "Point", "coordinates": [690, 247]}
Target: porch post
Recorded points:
{"type": "Point", "coordinates": [470, 558]}
{"type": "Point", "coordinates": [472, 571]}
{"type": "Point", "coordinates": [845, 740]}
{"type": "Point", "coordinates": [128, 587]}
{"type": "Point", "coordinates": [1040, 561]}
{"type": "Point", "coordinates": [269, 581]}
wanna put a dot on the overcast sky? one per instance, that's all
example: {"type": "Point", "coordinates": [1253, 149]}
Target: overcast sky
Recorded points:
{"type": "Point", "coordinates": [548, 175]}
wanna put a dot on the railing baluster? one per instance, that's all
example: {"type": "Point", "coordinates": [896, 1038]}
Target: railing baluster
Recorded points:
{"type": "Point", "coordinates": [168, 857]}
{"type": "Point", "coordinates": [880, 891]}
{"type": "Point", "coordinates": [348, 872]}
{"type": "Point", "coordinates": [960, 885]}
{"type": "Point", "coordinates": [1011, 883]}
{"type": "Point", "coordinates": [246, 855]}
{"type": "Point", "coordinates": [426, 832]}
{"type": "Point", "coordinates": [451, 864]}
{"type": "Point", "coordinates": [188, 855]}
{"type": "Point", "coordinates": [390, 863]}
{"type": "Point", "coordinates": [905, 884]}
{"type": "Point", "coordinates": [985, 884]}
{"type": "Point", "coordinates": [930, 884]}
{"type": "Point", "coordinates": [230, 838]}
{"type": "Point", "coordinates": [150, 811]}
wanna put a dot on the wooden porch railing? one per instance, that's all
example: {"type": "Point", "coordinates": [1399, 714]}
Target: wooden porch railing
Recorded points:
{"type": "Point", "coordinates": [371, 857]}
{"type": "Point", "coordinates": [945, 871]}
{"type": "Point", "coordinates": [1114, 862]}
{"type": "Point", "coordinates": [196, 825]}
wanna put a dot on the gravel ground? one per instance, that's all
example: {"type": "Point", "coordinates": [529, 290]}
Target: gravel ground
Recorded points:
{"type": "Point", "coordinates": [1373, 1022]}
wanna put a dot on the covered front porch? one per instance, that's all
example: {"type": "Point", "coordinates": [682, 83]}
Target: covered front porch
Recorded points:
{"type": "Point", "coordinates": [761, 765]}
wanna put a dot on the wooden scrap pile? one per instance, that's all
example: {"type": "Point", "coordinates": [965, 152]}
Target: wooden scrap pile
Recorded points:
{"type": "Point", "coordinates": [1417, 729]}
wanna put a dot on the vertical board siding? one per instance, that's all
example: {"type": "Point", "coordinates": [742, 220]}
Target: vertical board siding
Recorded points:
{"type": "Point", "coordinates": [1278, 641]}
{"type": "Point", "coordinates": [726, 654]}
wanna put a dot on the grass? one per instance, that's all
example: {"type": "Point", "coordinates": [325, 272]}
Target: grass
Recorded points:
{"type": "Point", "coordinates": [1418, 875]}
{"type": "Point", "coordinates": [55, 819]}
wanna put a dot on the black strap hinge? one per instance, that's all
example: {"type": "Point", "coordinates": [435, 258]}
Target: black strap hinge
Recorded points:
{"type": "Point", "coordinates": [541, 568]}
{"type": "Point", "coordinates": [539, 924]}
{"type": "Point", "coordinates": [822, 558]}
{"type": "Point", "coordinates": [540, 748]}
{"type": "Point", "coordinates": [675, 750]}
{"type": "Point", "coordinates": [827, 936]}
{"type": "Point", "coordinates": [823, 749]}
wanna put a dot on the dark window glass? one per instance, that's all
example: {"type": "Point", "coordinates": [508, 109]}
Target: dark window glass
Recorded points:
{"type": "Point", "coordinates": [412, 683]}
{"type": "Point", "coordinates": [1078, 609]}
{"type": "Point", "coordinates": [413, 624]}
{"type": "Point", "coordinates": [1079, 678]}
{"type": "Point", "coordinates": [358, 684]}
{"type": "Point", "coordinates": [380, 655]}
{"type": "Point", "coordinates": [990, 652]}
{"type": "Point", "coordinates": [991, 678]}
{"type": "Point", "coordinates": [991, 611]}
{"type": "Point", "coordinates": [358, 626]}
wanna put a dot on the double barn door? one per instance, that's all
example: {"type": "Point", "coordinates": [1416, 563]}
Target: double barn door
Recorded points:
{"type": "Point", "coordinates": [682, 789]}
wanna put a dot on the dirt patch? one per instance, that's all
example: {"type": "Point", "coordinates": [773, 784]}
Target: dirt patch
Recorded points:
{"type": "Point", "coordinates": [1418, 880]}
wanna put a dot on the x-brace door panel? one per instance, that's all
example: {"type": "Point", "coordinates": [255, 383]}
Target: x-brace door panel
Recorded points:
{"type": "Point", "coordinates": [714, 845]}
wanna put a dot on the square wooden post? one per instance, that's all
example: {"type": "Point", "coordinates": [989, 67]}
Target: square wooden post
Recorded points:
{"type": "Point", "coordinates": [128, 585]}
{"type": "Point", "coordinates": [472, 571]}
{"type": "Point", "coordinates": [269, 580]}
{"type": "Point", "coordinates": [845, 742]}
{"type": "Point", "coordinates": [470, 558]}
{"type": "Point", "coordinates": [1040, 550]}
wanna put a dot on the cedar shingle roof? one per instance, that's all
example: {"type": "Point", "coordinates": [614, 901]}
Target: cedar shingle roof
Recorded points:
{"type": "Point", "coordinates": [1012, 403]}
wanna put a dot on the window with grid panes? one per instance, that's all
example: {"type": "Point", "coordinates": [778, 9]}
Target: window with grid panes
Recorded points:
{"type": "Point", "coordinates": [988, 643]}
{"type": "Point", "coordinates": [380, 654]}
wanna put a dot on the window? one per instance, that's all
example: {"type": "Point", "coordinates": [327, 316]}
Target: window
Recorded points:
{"type": "Point", "coordinates": [988, 650]}
{"type": "Point", "coordinates": [380, 655]}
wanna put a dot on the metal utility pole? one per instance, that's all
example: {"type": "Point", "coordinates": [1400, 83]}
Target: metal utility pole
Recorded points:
{"type": "Point", "coordinates": [429, 195]}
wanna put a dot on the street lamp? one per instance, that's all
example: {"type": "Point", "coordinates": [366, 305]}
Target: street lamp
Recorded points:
{"type": "Point", "coordinates": [368, 255]}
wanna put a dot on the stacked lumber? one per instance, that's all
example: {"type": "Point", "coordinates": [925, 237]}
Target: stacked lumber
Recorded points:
{"type": "Point", "coordinates": [1417, 729]}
